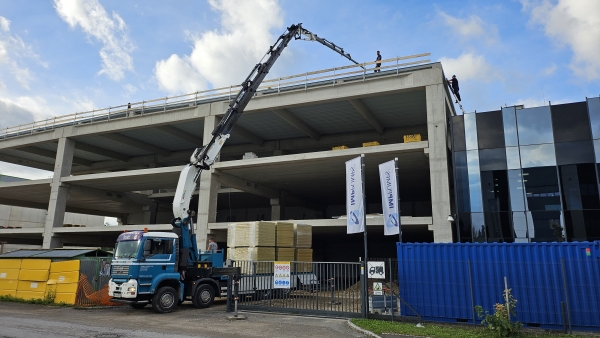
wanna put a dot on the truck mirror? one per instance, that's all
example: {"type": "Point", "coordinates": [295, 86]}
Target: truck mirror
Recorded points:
{"type": "Point", "coordinates": [147, 245]}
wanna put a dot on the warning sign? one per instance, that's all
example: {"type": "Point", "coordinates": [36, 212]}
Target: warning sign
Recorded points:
{"type": "Point", "coordinates": [377, 289]}
{"type": "Point", "coordinates": [376, 270]}
{"type": "Point", "coordinates": [281, 275]}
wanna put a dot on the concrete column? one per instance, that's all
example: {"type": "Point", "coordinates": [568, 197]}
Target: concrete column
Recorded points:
{"type": "Point", "coordinates": [59, 193]}
{"type": "Point", "coordinates": [209, 187]}
{"type": "Point", "coordinates": [438, 163]}
{"type": "Point", "coordinates": [275, 209]}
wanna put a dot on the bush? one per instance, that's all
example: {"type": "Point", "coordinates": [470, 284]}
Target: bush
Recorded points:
{"type": "Point", "coordinates": [500, 321]}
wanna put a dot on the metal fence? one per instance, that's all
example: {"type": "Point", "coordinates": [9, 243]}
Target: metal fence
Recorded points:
{"type": "Point", "coordinates": [315, 288]}
{"type": "Point", "coordinates": [326, 77]}
{"type": "Point", "coordinates": [94, 275]}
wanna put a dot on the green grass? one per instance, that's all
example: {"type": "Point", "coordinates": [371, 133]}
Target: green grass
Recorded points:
{"type": "Point", "coordinates": [48, 300]}
{"type": "Point", "coordinates": [436, 330]}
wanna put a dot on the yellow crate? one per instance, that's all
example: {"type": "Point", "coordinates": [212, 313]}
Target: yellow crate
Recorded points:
{"type": "Point", "coordinates": [36, 264]}
{"type": "Point", "coordinates": [12, 293]}
{"type": "Point", "coordinates": [339, 148]}
{"type": "Point", "coordinates": [412, 138]}
{"type": "Point", "coordinates": [8, 284]}
{"type": "Point", "coordinates": [34, 275]}
{"type": "Point", "coordinates": [67, 298]}
{"type": "Point", "coordinates": [10, 264]}
{"type": "Point", "coordinates": [30, 295]}
{"type": "Point", "coordinates": [9, 274]}
{"type": "Point", "coordinates": [370, 144]}
{"type": "Point", "coordinates": [31, 286]}
{"type": "Point", "coordinates": [64, 277]}
{"type": "Point", "coordinates": [52, 286]}
{"type": "Point", "coordinates": [65, 266]}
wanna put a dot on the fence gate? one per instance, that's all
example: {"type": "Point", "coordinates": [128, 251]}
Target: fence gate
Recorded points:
{"type": "Point", "coordinates": [312, 288]}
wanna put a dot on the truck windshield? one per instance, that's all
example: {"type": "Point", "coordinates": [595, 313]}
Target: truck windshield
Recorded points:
{"type": "Point", "coordinates": [127, 249]}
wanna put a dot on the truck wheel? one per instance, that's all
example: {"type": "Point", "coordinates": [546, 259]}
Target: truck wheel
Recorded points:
{"type": "Point", "coordinates": [138, 305]}
{"type": "Point", "coordinates": [165, 299]}
{"type": "Point", "coordinates": [204, 296]}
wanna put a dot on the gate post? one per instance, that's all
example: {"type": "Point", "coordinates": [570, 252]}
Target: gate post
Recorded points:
{"type": "Point", "coordinates": [363, 294]}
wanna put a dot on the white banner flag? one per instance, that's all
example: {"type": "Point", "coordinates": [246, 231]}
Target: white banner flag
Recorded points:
{"type": "Point", "coordinates": [354, 197]}
{"type": "Point", "coordinates": [389, 197]}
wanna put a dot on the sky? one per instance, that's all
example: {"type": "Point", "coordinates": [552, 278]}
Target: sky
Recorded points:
{"type": "Point", "coordinates": [59, 57]}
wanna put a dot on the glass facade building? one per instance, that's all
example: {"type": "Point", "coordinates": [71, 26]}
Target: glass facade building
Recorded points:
{"type": "Point", "coordinates": [528, 175]}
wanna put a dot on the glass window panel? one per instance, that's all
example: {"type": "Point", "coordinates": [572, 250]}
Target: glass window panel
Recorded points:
{"type": "Point", "coordinates": [458, 130]}
{"type": "Point", "coordinates": [597, 150]}
{"type": "Point", "coordinates": [470, 131]}
{"type": "Point", "coordinates": [513, 160]}
{"type": "Point", "coordinates": [462, 182]}
{"type": "Point", "coordinates": [515, 184]}
{"type": "Point", "coordinates": [520, 227]}
{"type": "Point", "coordinates": [541, 188]}
{"type": "Point", "coordinates": [579, 187]}
{"type": "Point", "coordinates": [574, 152]}
{"type": "Point", "coordinates": [546, 226]}
{"type": "Point", "coordinates": [490, 132]}
{"type": "Point", "coordinates": [498, 227]}
{"type": "Point", "coordinates": [534, 125]}
{"type": "Point", "coordinates": [510, 127]}
{"type": "Point", "coordinates": [464, 228]}
{"type": "Point", "coordinates": [492, 159]}
{"type": "Point", "coordinates": [540, 155]}
{"type": "Point", "coordinates": [575, 224]}
{"type": "Point", "coordinates": [474, 181]}
{"type": "Point", "coordinates": [570, 122]}
{"type": "Point", "coordinates": [478, 227]}
{"type": "Point", "coordinates": [494, 185]}
{"type": "Point", "coordinates": [594, 111]}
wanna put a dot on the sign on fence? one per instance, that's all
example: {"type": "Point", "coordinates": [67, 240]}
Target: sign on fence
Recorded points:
{"type": "Point", "coordinates": [281, 275]}
{"type": "Point", "coordinates": [376, 270]}
{"type": "Point", "coordinates": [378, 289]}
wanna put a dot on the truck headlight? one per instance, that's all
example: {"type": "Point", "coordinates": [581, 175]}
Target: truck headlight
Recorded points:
{"type": "Point", "coordinates": [131, 289]}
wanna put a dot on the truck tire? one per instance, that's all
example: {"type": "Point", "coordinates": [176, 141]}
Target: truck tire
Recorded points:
{"type": "Point", "coordinates": [165, 299]}
{"type": "Point", "coordinates": [204, 296]}
{"type": "Point", "coordinates": [138, 305]}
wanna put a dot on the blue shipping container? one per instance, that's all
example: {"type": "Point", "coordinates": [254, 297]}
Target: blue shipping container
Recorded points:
{"type": "Point", "coordinates": [444, 281]}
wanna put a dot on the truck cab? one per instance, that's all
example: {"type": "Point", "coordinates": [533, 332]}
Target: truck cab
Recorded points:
{"type": "Point", "coordinates": [148, 268]}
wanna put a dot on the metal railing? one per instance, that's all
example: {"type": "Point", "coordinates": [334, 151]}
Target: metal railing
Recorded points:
{"type": "Point", "coordinates": [305, 81]}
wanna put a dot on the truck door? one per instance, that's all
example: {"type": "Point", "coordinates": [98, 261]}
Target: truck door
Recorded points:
{"type": "Point", "coordinates": [159, 257]}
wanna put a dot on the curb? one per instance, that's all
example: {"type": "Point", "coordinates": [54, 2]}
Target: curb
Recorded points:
{"type": "Point", "coordinates": [361, 330]}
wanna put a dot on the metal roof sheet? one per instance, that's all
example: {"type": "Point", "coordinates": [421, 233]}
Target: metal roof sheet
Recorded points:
{"type": "Point", "coordinates": [22, 253]}
{"type": "Point", "coordinates": [55, 253]}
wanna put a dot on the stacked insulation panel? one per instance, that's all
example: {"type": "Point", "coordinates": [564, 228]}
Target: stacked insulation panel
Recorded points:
{"type": "Point", "coordinates": [252, 241]}
{"type": "Point", "coordinates": [303, 244]}
{"type": "Point", "coordinates": [9, 276]}
{"type": "Point", "coordinates": [33, 276]}
{"type": "Point", "coordinates": [63, 281]}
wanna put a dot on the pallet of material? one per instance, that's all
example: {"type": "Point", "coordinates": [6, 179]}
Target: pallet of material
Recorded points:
{"type": "Point", "coordinates": [285, 254]}
{"type": "Point", "coordinates": [285, 235]}
{"type": "Point", "coordinates": [253, 260]}
{"type": "Point", "coordinates": [303, 260]}
{"type": "Point", "coordinates": [251, 234]}
{"type": "Point", "coordinates": [302, 236]}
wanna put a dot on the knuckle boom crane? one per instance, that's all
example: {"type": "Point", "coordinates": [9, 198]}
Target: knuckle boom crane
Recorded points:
{"type": "Point", "coordinates": [165, 268]}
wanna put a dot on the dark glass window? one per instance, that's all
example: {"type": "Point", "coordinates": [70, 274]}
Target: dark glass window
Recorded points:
{"type": "Point", "coordinates": [570, 122]}
{"type": "Point", "coordinates": [537, 155]}
{"type": "Point", "coordinates": [478, 227]}
{"type": "Point", "coordinates": [582, 225]}
{"type": "Point", "coordinates": [462, 182]}
{"type": "Point", "coordinates": [534, 126]}
{"type": "Point", "coordinates": [498, 227]}
{"type": "Point", "coordinates": [515, 184]}
{"type": "Point", "coordinates": [492, 159]}
{"type": "Point", "coordinates": [458, 130]}
{"type": "Point", "coordinates": [490, 130]}
{"type": "Point", "coordinates": [474, 180]}
{"type": "Point", "coordinates": [470, 131]}
{"type": "Point", "coordinates": [574, 152]}
{"type": "Point", "coordinates": [594, 110]}
{"type": "Point", "coordinates": [541, 188]}
{"type": "Point", "coordinates": [464, 227]}
{"type": "Point", "coordinates": [510, 127]}
{"type": "Point", "coordinates": [519, 222]}
{"type": "Point", "coordinates": [546, 226]}
{"type": "Point", "coordinates": [494, 188]}
{"type": "Point", "coordinates": [579, 187]}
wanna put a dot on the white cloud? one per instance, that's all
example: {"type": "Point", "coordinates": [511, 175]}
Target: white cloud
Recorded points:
{"type": "Point", "coordinates": [473, 27]}
{"type": "Point", "coordinates": [111, 32]}
{"type": "Point", "coordinates": [550, 69]}
{"type": "Point", "coordinates": [14, 114]}
{"type": "Point", "coordinates": [470, 67]}
{"type": "Point", "coordinates": [575, 24]}
{"type": "Point", "coordinates": [4, 24]}
{"type": "Point", "coordinates": [130, 89]}
{"type": "Point", "coordinates": [223, 57]}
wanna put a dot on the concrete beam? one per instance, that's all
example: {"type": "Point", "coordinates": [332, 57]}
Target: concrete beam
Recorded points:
{"type": "Point", "coordinates": [137, 144]}
{"type": "Point", "coordinates": [407, 221]}
{"type": "Point", "coordinates": [247, 186]}
{"type": "Point", "coordinates": [362, 108]}
{"type": "Point", "coordinates": [248, 135]}
{"type": "Point", "coordinates": [52, 155]}
{"type": "Point", "coordinates": [101, 151]}
{"type": "Point", "coordinates": [182, 135]}
{"type": "Point", "coordinates": [298, 123]}
{"type": "Point", "coordinates": [26, 162]}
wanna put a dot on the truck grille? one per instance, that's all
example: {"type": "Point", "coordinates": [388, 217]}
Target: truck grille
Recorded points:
{"type": "Point", "coordinates": [120, 269]}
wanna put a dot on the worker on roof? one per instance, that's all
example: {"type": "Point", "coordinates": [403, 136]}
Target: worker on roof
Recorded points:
{"type": "Point", "coordinates": [454, 85]}
{"type": "Point", "coordinates": [377, 65]}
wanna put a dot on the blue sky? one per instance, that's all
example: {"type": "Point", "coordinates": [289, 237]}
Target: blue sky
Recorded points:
{"type": "Point", "coordinates": [60, 57]}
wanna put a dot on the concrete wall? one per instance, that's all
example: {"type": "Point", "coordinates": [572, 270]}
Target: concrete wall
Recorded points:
{"type": "Point", "coordinates": [12, 216]}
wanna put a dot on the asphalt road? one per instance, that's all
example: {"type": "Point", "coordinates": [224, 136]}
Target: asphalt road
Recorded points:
{"type": "Point", "coordinates": [38, 321]}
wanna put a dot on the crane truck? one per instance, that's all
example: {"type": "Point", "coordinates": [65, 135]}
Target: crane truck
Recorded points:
{"type": "Point", "coordinates": [165, 268]}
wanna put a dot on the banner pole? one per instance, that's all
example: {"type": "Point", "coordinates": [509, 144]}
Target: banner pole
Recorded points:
{"type": "Point", "coordinates": [398, 202]}
{"type": "Point", "coordinates": [364, 215]}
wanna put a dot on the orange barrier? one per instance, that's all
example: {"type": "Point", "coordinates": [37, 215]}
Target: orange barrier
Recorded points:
{"type": "Point", "coordinates": [87, 296]}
